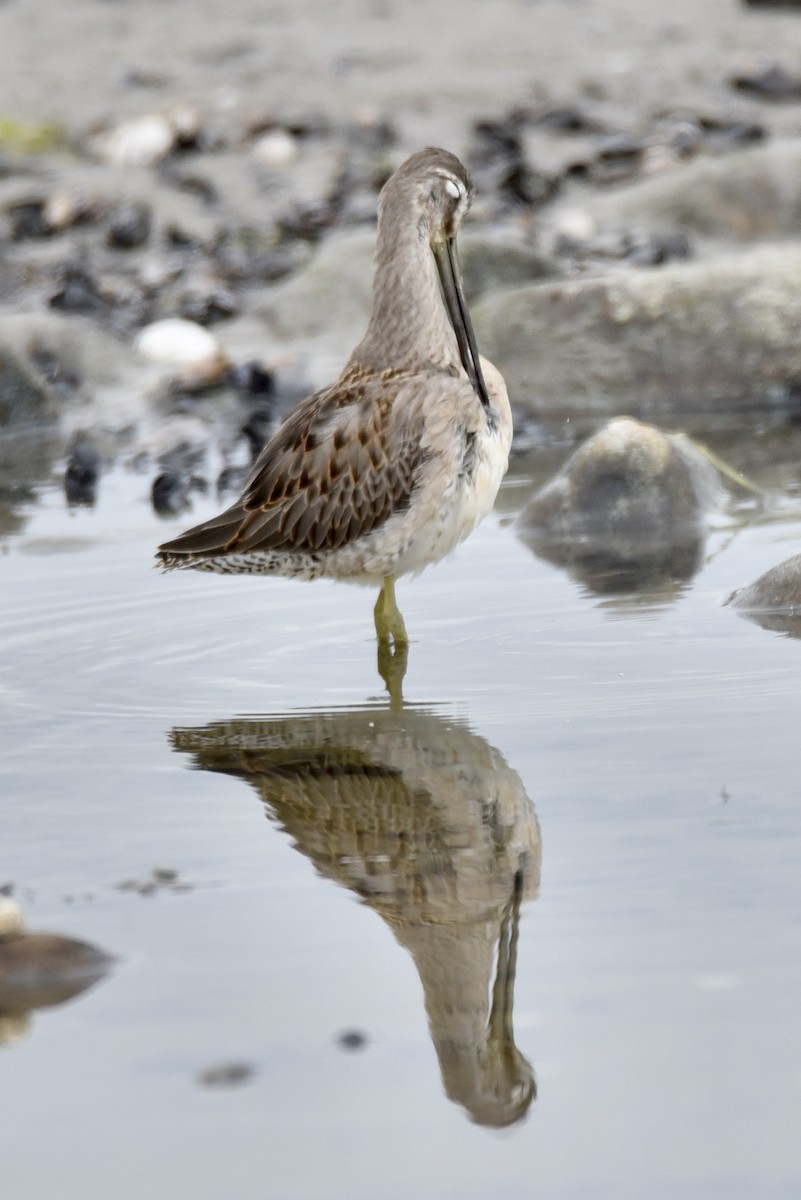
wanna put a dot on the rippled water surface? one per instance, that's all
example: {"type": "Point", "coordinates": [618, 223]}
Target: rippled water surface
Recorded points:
{"type": "Point", "coordinates": [554, 906]}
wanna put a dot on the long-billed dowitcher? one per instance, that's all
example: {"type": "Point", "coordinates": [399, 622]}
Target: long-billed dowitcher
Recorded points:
{"type": "Point", "coordinates": [390, 467]}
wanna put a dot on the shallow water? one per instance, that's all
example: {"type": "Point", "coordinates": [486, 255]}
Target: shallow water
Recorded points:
{"type": "Point", "coordinates": [350, 869]}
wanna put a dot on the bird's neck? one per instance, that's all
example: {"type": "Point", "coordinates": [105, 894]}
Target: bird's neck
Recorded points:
{"type": "Point", "coordinates": [409, 327]}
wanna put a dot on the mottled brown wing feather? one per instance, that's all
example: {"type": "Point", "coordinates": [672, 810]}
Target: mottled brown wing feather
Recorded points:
{"type": "Point", "coordinates": [340, 465]}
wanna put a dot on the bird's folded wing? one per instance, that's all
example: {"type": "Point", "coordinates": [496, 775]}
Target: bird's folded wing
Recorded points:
{"type": "Point", "coordinates": [343, 463]}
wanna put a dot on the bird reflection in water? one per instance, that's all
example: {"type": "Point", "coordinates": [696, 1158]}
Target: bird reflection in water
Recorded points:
{"type": "Point", "coordinates": [430, 826]}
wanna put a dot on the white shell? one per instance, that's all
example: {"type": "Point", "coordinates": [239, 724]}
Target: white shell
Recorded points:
{"type": "Point", "coordinates": [177, 343]}
{"type": "Point", "coordinates": [62, 210]}
{"type": "Point", "coordinates": [138, 142]}
{"type": "Point", "coordinates": [276, 148]}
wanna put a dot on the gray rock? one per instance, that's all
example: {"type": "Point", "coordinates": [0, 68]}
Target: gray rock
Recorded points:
{"type": "Point", "coordinates": [627, 511]}
{"type": "Point", "coordinates": [704, 336]}
{"type": "Point", "coordinates": [742, 196]}
{"type": "Point", "coordinates": [774, 600]}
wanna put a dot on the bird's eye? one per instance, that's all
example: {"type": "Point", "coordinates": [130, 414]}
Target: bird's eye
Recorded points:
{"type": "Point", "coordinates": [452, 189]}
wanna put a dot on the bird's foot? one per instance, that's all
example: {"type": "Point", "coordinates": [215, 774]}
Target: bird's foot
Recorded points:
{"type": "Point", "coordinates": [393, 642]}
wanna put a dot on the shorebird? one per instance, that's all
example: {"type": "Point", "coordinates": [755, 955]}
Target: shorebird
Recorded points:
{"type": "Point", "coordinates": [395, 463]}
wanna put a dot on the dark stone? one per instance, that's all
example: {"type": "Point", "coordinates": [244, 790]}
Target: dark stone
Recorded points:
{"type": "Point", "coordinates": [231, 479]}
{"type": "Point", "coordinates": [313, 124]}
{"type": "Point", "coordinates": [494, 139]}
{"type": "Point", "coordinates": [170, 493]}
{"type": "Point", "coordinates": [226, 1075]}
{"type": "Point", "coordinates": [207, 308]}
{"type": "Point", "coordinates": [772, 82]}
{"type": "Point", "coordinates": [81, 475]}
{"type": "Point", "coordinates": [141, 77]}
{"type": "Point", "coordinates": [566, 120]}
{"type": "Point", "coordinates": [619, 145]}
{"type": "Point", "coordinates": [63, 381]}
{"type": "Point", "coordinates": [257, 429]}
{"type": "Point", "coordinates": [28, 220]}
{"type": "Point", "coordinates": [352, 1039]}
{"type": "Point", "coordinates": [252, 379]}
{"type": "Point", "coordinates": [496, 157]}
{"type": "Point", "coordinates": [527, 185]}
{"type": "Point", "coordinates": [196, 185]}
{"type": "Point", "coordinates": [128, 226]}
{"type": "Point", "coordinates": [181, 239]}
{"type": "Point", "coordinates": [659, 249]}
{"type": "Point", "coordinates": [735, 132]}
{"type": "Point", "coordinates": [77, 292]}
{"type": "Point", "coordinates": [617, 156]}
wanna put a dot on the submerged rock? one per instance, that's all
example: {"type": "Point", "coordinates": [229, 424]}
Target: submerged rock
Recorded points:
{"type": "Point", "coordinates": [714, 335]}
{"type": "Point", "coordinates": [627, 511]}
{"type": "Point", "coordinates": [774, 600]}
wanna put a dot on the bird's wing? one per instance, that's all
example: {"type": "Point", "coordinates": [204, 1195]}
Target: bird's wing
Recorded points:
{"type": "Point", "coordinates": [338, 467]}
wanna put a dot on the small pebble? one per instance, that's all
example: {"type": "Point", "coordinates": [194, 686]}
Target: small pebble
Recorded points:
{"type": "Point", "coordinates": [770, 82]}
{"type": "Point", "coordinates": [177, 343]}
{"type": "Point", "coordinates": [170, 493]}
{"type": "Point", "coordinates": [128, 226]}
{"type": "Point", "coordinates": [257, 429]}
{"type": "Point", "coordinates": [252, 379]}
{"type": "Point", "coordinates": [81, 475]}
{"type": "Point", "coordinates": [78, 293]}
{"type": "Point", "coordinates": [352, 1039]}
{"type": "Point", "coordinates": [275, 149]}
{"type": "Point", "coordinates": [63, 210]}
{"type": "Point", "coordinates": [27, 220]}
{"type": "Point", "coordinates": [225, 1075]}
{"type": "Point", "coordinates": [165, 874]}
{"type": "Point", "coordinates": [139, 142]}
{"type": "Point", "coordinates": [206, 308]}
{"type": "Point", "coordinates": [566, 120]}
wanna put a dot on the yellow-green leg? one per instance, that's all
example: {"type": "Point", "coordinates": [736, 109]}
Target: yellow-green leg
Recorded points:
{"type": "Point", "coordinates": [388, 620]}
{"type": "Point", "coordinates": [393, 641]}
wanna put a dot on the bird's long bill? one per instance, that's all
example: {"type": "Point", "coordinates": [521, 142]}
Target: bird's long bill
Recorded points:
{"type": "Point", "coordinates": [453, 293]}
